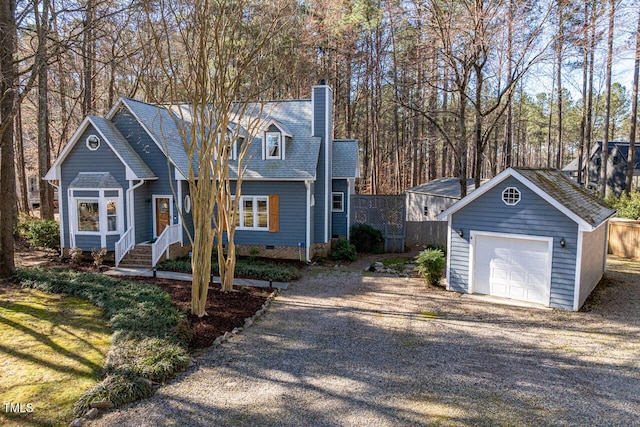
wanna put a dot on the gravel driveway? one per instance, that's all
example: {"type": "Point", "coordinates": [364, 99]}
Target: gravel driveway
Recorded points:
{"type": "Point", "coordinates": [340, 348]}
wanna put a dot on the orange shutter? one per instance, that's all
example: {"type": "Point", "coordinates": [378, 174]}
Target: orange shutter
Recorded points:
{"type": "Point", "coordinates": [274, 213]}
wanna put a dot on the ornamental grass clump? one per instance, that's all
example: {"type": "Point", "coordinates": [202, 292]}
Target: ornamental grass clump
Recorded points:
{"type": "Point", "coordinates": [145, 345]}
{"type": "Point", "coordinates": [430, 265]}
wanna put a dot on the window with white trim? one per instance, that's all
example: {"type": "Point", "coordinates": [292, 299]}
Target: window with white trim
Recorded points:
{"type": "Point", "coordinates": [112, 215]}
{"type": "Point", "coordinates": [273, 145]}
{"type": "Point", "coordinates": [88, 210]}
{"type": "Point", "coordinates": [511, 196]}
{"type": "Point", "coordinates": [337, 202]}
{"type": "Point", "coordinates": [97, 215]}
{"type": "Point", "coordinates": [93, 142]}
{"type": "Point", "coordinates": [254, 213]}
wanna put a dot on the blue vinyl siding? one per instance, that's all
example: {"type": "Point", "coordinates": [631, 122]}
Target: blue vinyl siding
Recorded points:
{"type": "Point", "coordinates": [532, 216]}
{"type": "Point", "coordinates": [339, 219]}
{"type": "Point", "coordinates": [187, 218]}
{"type": "Point", "coordinates": [81, 159]}
{"type": "Point", "coordinates": [292, 214]}
{"type": "Point", "coordinates": [142, 143]}
{"type": "Point", "coordinates": [142, 210]}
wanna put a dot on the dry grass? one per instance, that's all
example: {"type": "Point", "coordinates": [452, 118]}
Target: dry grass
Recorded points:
{"type": "Point", "coordinates": [52, 349]}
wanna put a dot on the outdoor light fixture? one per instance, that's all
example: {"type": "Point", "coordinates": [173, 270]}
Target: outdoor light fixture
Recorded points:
{"type": "Point", "coordinates": [460, 233]}
{"type": "Point", "coordinates": [563, 242]}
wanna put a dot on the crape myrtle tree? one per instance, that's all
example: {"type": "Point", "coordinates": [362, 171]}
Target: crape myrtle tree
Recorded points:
{"type": "Point", "coordinates": [212, 55]}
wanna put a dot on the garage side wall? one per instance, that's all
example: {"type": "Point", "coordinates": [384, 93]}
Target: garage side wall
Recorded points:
{"type": "Point", "coordinates": [593, 252]}
{"type": "Point", "coordinates": [532, 216]}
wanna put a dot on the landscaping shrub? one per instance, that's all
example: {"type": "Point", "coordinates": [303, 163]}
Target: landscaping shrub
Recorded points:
{"type": "Point", "coordinates": [343, 251]}
{"type": "Point", "coordinates": [627, 206]}
{"type": "Point", "coordinates": [255, 269]}
{"type": "Point", "coordinates": [146, 345]}
{"type": "Point", "coordinates": [366, 238]}
{"type": "Point", "coordinates": [430, 264]}
{"type": "Point", "coordinates": [40, 233]}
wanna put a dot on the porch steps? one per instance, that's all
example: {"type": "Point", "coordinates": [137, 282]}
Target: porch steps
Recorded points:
{"type": "Point", "coordinates": [139, 256]}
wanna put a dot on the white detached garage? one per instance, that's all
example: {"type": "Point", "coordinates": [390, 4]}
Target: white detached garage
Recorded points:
{"type": "Point", "coordinates": [530, 235]}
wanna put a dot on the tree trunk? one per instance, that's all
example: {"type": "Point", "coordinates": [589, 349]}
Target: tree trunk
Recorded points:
{"type": "Point", "coordinates": [634, 116]}
{"type": "Point", "coordinates": [44, 157]}
{"type": "Point", "coordinates": [22, 193]}
{"type": "Point", "coordinates": [559, 52]}
{"type": "Point", "coordinates": [589, 126]}
{"type": "Point", "coordinates": [7, 166]}
{"type": "Point", "coordinates": [88, 52]}
{"type": "Point", "coordinates": [508, 134]}
{"type": "Point", "coordinates": [603, 187]}
{"type": "Point", "coordinates": [583, 119]}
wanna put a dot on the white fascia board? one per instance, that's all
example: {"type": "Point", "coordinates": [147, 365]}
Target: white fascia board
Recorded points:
{"type": "Point", "coordinates": [474, 195]}
{"type": "Point", "coordinates": [283, 129]}
{"type": "Point", "coordinates": [53, 172]}
{"type": "Point", "coordinates": [582, 224]}
{"type": "Point", "coordinates": [178, 174]}
{"type": "Point", "coordinates": [130, 175]}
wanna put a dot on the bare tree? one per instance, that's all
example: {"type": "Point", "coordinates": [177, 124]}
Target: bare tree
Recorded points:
{"type": "Point", "coordinates": [210, 50]}
{"type": "Point", "coordinates": [634, 115]}
{"type": "Point", "coordinates": [604, 157]}
{"type": "Point", "coordinates": [7, 112]}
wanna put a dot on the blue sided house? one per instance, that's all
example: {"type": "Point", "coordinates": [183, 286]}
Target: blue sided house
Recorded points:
{"type": "Point", "coordinates": [121, 183]}
{"type": "Point", "coordinates": [531, 235]}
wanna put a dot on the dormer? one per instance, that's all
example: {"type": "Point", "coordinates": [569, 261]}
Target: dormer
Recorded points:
{"type": "Point", "coordinates": [275, 136]}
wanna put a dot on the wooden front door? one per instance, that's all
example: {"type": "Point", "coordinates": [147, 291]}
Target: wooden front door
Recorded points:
{"type": "Point", "coordinates": [163, 214]}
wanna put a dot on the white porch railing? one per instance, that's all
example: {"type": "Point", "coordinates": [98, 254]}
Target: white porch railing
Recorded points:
{"type": "Point", "coordinates": [172, 234]}
{"type": "Point", "coordinates": [124, 245]}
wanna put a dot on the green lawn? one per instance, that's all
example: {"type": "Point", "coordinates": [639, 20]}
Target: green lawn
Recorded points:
{"type": "Point", "coordinates": [52, 349]}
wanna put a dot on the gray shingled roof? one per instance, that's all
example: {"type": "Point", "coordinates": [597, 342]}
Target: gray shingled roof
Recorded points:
{"type": "Point", "coordinates": [122, 147]}
{"type": "Point", "coordinates": [163, 129]}
{"type": "Point", "coordinates": [301, 151]}
{"type": "Point", "coordinates": [94, 180]}
{"type": "Point", "coordinates": [572, 196]}
{"type": "Point", "coordinates": [445, 187]}
{"type": "Point", "coordinates": [345, 158]}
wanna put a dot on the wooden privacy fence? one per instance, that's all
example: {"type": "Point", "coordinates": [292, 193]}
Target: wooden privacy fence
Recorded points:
{"type": "Point", "coordinates": [624, 238]}
{"type": "Point", "coordinates": [419, 233]}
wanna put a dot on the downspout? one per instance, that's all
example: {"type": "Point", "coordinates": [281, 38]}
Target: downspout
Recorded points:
{"type": "Point", "coordinates": [307, 246]}
{"type": "Point", "coordinates": [130, 207]}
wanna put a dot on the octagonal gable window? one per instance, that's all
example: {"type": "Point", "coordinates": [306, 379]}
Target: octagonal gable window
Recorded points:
{"type": "Point", "coordinates": [93, 142]}
{"type": "Point", "coordinates": [511, 196]}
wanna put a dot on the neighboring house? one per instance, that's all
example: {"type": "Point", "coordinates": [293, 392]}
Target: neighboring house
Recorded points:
{"type": "Point", "coordinates": [618, 155]}
{"type": "Point", "coordinates": [122, 182]}
{"type": "Point", "coordinates": [528, 234]}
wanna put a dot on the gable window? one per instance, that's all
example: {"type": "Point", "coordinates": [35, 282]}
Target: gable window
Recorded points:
{"type": "Point", "coordinates": [511, 196]}
{"type": "Point", "coordinates": [337, 202]}
{"type": "Point", "coordinates": [425, 210]}
{"type": "Point", "coordinates": [254, 213]}
{"type": "Point", "coordinates": [93, 142]}
{"type": "Point", "coordinates": [273, 145]}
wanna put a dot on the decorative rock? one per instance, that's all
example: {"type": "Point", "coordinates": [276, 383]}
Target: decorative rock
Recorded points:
{"type": "Point", "coordinates": [78, 422]}
{"type": "Point", "coordinates": [248, 322]}
{"type": "Point", "coordinates": [236, 330]}
{"type": "Point", "coordinates": [378, 265]}
{"type": "Point", "coordinates": [227, 335]}
{"type": "Point", "coordinates": [92, 413]}
{"type": "Point", "coordinates": [218, 341]}
{"type": "Point", "coordinates": [102, 404]}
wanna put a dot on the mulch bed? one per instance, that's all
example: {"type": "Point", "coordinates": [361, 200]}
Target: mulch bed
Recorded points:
{"type": "Point", "coordinates": [226, 310]}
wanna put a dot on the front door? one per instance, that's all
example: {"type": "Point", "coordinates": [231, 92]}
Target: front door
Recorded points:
{"type": "Point", "coordinates": [162, 214]}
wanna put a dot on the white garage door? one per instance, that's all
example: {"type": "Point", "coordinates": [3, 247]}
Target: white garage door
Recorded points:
{"type": "Point", "coordinates": [512, 267]}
